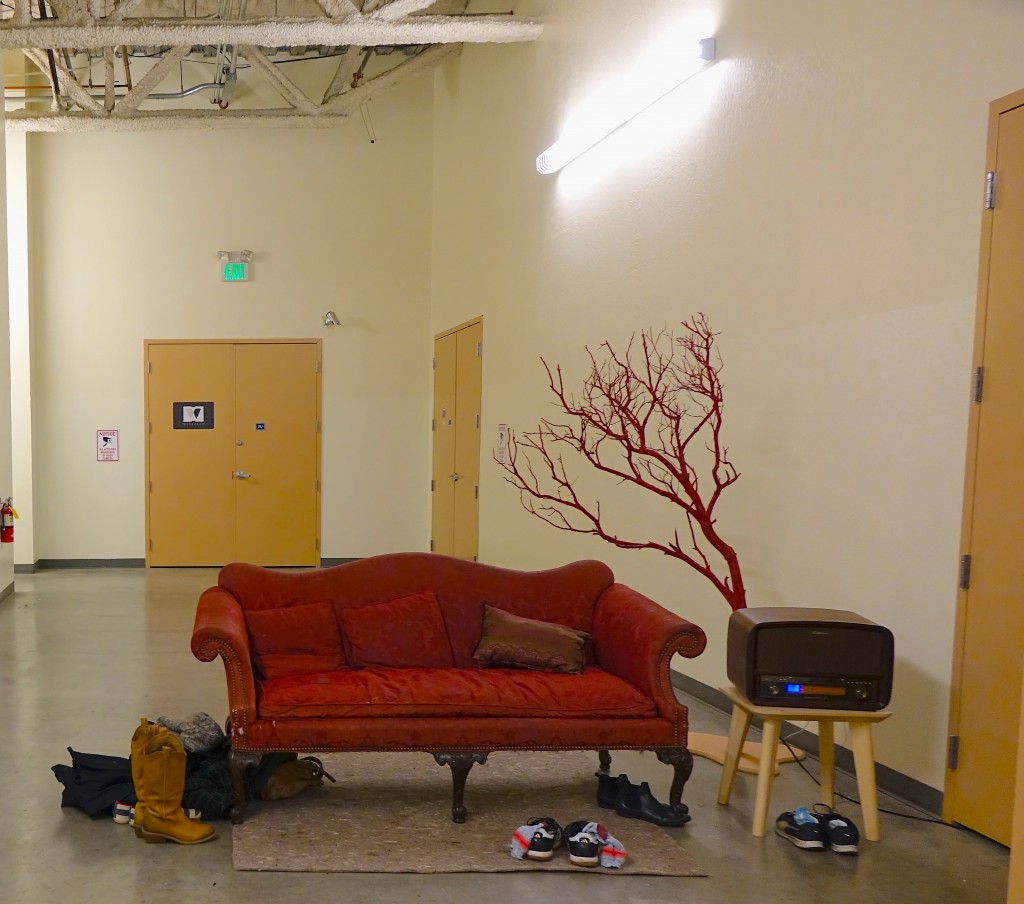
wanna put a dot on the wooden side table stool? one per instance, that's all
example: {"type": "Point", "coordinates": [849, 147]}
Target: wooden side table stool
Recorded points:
{"type": "Point", "coordinates": [860, 738]}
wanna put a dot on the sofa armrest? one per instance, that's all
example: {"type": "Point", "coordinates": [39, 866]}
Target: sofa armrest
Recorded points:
{"type": "Point", "coordinates": [635, 639]}
{"type": "Point", "coordinates": [220, 631]}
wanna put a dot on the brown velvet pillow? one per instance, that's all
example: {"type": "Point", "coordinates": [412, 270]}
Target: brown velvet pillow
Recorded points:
{"type": "Point", "coordinates": [406, 633]}
{"type": "Point", "coordinates": [511, 641]}
{"type": "Point", "coordinates": [295, 640]}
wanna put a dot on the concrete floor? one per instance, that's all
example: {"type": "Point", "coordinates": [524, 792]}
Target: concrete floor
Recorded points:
{"type": "Point", "coordinates": [84, 654]}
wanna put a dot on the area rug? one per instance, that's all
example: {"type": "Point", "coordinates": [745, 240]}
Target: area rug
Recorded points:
{"type": "Point", "coordinates": [391, 813]}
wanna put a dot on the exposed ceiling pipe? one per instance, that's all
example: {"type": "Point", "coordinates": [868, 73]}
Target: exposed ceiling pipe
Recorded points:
{"type": "Point", "coordinates": [57, 100]}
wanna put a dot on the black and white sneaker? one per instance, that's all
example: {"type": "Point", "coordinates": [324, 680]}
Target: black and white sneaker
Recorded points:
{"type": "Point", "coordinates": [841, 832]}
{"type": "Point", "coordinates": [545, 837]}
{"type": "Point", "coordinates": [801, 827]}
{"type": "Point", "coordinates": [584, 842]}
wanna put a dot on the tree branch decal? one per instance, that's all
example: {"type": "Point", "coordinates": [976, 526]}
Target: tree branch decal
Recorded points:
{"type": "Point", "coordinates": [651, 416]}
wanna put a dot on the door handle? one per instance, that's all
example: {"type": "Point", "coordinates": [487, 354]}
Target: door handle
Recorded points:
{"type": "Point", "coordinates": [454, 476]}
{"type": "Point", "coordinates": [241, 475]}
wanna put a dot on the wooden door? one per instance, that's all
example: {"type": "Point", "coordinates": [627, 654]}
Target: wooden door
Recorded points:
{"type": "Point", "coordinates": [276, 454]}
{"type": "Point", "coordinates": [191, 500]}
{"type": "Point", "coordinates": [442, 512]}
{"type": "Point", "coordinates": [233, 453]}
{"type": "Point", "coordinates": [986, 696]}
{"type": "Point", "coordinates": [458, 381]}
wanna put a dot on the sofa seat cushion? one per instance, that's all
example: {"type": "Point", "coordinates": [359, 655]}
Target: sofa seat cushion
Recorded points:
{"type": "Point", "coordinates": [451, 692]}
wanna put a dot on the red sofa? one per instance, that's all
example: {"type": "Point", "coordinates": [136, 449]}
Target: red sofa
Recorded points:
{"type": "Point", "coordinates": [355, 657]}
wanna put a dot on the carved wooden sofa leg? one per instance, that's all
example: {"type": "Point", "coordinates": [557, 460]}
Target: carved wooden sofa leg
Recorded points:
{"type": "Point", "coordinates": [681, 760]}
{"type": "Point", "coordinates": [460, 764]}
{"type": "Point", "coordinates": [239, 764]}
{"type": "Point", "coordinates": [604, 758]}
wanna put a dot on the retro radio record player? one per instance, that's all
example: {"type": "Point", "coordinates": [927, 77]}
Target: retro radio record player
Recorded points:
{"type": "Point", "coordinates": [814, 658]}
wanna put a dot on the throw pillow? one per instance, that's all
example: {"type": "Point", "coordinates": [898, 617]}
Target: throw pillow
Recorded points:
{"type": "Point", "coordinates": [295, 640]}
{"type": "Point", "coordinates": [510, 640]}
{"type": "Point", "coordinates": [405, 633]}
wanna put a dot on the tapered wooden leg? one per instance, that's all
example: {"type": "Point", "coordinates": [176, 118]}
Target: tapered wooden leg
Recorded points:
{"type": "Point", "coordinates": [737, 735]}
{"type": "Point", "coordinates": [681, 760]}
{"type": "Point", "coordinates": [827, 760]}
{"type": "Point", "coordinates": [460, 764]}
{"type": "Point", "coordinates": [769, 742]}
{"type": "Point", "coordinates": [864, 761]}
{"type": "Point", "coordinates": [239, 764]}
{"type": "Point", "coordinates": [604, 758]}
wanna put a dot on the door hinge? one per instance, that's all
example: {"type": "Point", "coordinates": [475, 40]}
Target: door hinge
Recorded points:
{"type": "Point", "coordinates": [433, 363]}
{"type": "Point", "coordinates": [318, 486]}
{"type": "Point", "coordinates": [316, 543]}
{"type": "Point", "coordinates": [977, 384]}
{"type": "Point", "coordinates": [431, 545]}
{"type": "Point", "coordinates": [476, 492]}
{"type": "Point", "coordinates": [149, 367]}
{"type": "Point", "coordinates": [478, 422]}
{"type": "Point", "coordinates": [150, 426]}
{"type": "Point", "coordinates": [431, 486]}
{"type": "Point", "coordinates": [953, 752]}
{"type": "Point", "coordinates": [150, 545]}
{"type": "Point", "coordinates": [965, 571]}
{"type": "Point", "coordinates": [478, 349]}
{"type": "Point", "coordinates": [318, 426]}
{"type": "Point", "coordinates": [990, 191]}
{"type": "Point", "coordinates": [318, 367]}
{"type": "Point", "coordinates": [151, 486]}
{"type": "Point", "coordinates": [433, 424]}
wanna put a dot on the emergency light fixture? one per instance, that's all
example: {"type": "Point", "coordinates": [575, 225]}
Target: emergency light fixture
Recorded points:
{"type": "Point", "coordinates": [602, 122]}
{"type": "Point", "coordinates": [234, 265]}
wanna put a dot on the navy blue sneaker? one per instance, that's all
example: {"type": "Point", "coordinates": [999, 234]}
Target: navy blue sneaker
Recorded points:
{"type": "Point", "coordinates": [801, 827]}
{"type": "Point", "coordinates": [841, 833]}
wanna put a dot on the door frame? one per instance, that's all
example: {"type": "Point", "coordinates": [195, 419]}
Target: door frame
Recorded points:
{"type": "Point", "coordinates": [956, 702]}
{"type": "Point", "coordinates": [148, 343]}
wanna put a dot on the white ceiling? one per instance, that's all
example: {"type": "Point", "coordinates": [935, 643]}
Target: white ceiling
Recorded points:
{"type": "Point", "coordinates": [158, 64]}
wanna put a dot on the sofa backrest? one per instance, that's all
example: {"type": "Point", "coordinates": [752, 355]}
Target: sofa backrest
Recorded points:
{"type": "Point", "coordinates": [565, 595]}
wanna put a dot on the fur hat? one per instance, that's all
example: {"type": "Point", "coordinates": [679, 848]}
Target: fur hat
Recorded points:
{"type": "Point", "coordinates": [199, 732]}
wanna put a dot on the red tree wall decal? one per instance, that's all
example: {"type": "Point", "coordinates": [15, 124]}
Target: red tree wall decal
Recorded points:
{"type": "Point", "coordinates": [651, 416]}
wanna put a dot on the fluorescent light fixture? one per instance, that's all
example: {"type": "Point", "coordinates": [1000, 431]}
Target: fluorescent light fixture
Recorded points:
{"type": "Point", "coordinates": [600, 125]}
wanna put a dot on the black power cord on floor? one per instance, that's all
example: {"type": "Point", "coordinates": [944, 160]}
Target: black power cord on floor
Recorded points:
{"type": "Point", "coordinates": [817, 781]}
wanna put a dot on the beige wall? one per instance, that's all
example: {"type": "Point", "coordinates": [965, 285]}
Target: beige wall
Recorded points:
{"type": "Point", "coordinates": [817, 193]}
{"type": "Point", "coordinates": [125, 231]}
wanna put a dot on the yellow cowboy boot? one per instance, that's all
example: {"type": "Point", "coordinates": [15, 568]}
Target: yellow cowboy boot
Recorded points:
{"type": "Point", "coordinates": [160, 817]}
{"type": "Point", "coordinates": [143, 735]}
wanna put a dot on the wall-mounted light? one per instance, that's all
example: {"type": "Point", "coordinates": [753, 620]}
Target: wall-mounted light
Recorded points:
{"type": "Point", "coordinates": [600, 124]}
{"type": "Point", "coordinates": [331, 319]}
{"type": "Point", "coordinates": [234, 265]}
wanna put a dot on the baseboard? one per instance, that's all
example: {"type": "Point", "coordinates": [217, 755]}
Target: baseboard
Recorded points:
{"type": "Point", "coordinates": [901, 786]}
{"type": "Point", "coordinates": [44, 564]}
{"type": "Point", "coordinates": [327, 563]}
{"type": "Point", "coordinates": [7, 591]}
{"type": "Point", "coordinates": [26, 569]}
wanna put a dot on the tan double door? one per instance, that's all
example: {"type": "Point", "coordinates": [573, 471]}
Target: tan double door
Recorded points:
{"type": "Point", "coordinates": [455, 478]}
{"type": "Point", "coordinates": [233, 453]}
{"type": "Point", "coordinates": [987, 669]}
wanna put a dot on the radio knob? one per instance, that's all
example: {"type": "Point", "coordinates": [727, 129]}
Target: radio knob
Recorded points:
{"type": "Point", "coordinates": [773, 689]}
{"type": "Point", "coordinates": [860, 693]}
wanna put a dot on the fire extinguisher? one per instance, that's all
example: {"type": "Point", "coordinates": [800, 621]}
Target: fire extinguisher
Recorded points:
{"type": "Point", "coordinates": [7, 516]}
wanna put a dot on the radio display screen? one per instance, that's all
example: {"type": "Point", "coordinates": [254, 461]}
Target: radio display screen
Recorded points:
{"type": "Point", "coordinates": [816, 690]}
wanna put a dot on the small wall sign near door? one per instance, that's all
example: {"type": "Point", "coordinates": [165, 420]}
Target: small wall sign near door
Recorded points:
{"type": "Point", "coordinates": [106, 445]}
{"type": "Point", "coordinates": [193, 415]}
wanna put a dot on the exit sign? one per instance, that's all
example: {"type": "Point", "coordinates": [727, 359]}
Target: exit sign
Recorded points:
{"type": "Point", "coordinates": [234, 271]}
